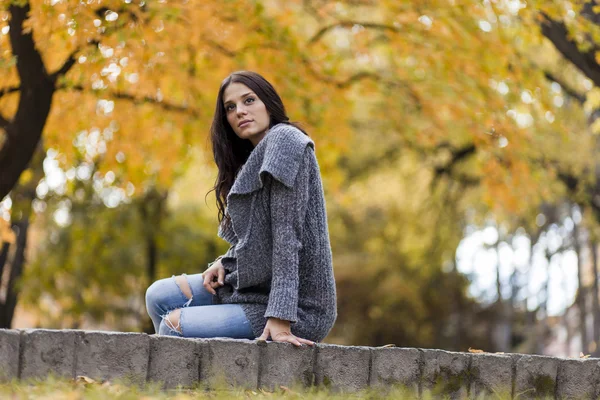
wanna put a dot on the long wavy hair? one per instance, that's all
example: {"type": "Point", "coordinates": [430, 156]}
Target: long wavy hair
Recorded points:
{"type": "Point", "coordinates": [229, 151]}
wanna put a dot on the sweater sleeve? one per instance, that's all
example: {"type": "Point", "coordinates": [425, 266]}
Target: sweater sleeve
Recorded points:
{"type": "Point", "coordinates": [288, 211]}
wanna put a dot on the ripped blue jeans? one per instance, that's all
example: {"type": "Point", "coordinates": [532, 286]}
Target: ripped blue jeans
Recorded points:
{"type": "Point", "coordinates": [199, 318]}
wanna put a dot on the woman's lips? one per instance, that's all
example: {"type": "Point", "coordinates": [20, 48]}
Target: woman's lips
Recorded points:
{"type": "Point", "coordinates": [245, 124]}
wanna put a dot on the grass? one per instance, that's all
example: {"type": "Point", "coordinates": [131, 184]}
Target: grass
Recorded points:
{"type": "Point", "coordinates": [61, 388]}
{"type": "Point", "coordinates": [53, 387]}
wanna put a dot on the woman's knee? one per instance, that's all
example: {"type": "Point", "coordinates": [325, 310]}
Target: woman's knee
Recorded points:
{"type": "Point", "coordinates": [156, 291]}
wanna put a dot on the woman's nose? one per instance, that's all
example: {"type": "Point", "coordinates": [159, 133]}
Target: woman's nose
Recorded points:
{"type": "Point", "coordinates": [241, 110]}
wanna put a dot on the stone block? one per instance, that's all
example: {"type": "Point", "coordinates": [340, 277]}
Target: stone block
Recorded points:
{"type": "Point", "coordinates": [491, 375]}
{"type": "Point", "coordinates": [9, 354]}
{"type": "Point", "coordinates": [342, 368]}
{"type": "Point", "coordinates": [396, 366]}
{"type": "Point", "coordinates": [536, 376]}
{"type": "Point", "coordinates": [174, 361]}
{"type": "Point", "coordinates": [578, 379]}
{"type": "Point", "coordinates": [229, 363]}
{"type": "Point", "coordinates": [446, 373]}
{"type": "Point", "coordinates": [47, 352]}
{"type": "Point", "coordinates": [112, 355]}
{"type": "Point", "coordinates": [285, 364]}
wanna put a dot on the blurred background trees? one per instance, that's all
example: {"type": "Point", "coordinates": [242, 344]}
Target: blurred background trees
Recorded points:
{"type": "Point", "coordinates": [457, 143]}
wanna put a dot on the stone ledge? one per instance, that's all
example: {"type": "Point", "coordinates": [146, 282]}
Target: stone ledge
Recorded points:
{"type": "Point", "coordinates": [174, 361]}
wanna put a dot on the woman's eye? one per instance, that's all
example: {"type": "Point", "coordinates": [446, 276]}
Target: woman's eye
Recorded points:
{"type": "Point", "coordinates": [229, 107]}
{"type": "Point", "coordinates": [250, 98]}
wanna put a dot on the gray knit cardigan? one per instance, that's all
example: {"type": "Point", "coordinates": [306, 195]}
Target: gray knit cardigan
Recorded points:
{"type": "Point", "coordinates": [280, 262]}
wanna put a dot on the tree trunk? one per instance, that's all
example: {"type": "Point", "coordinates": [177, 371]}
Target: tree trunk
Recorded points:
{"type": "Point", "coordinates": [459, 335]}
{"type": "Point", "coordinates": [514, 291]}
{"type": "Point", "coordinates": [531, 316]}
{"type": "Point", "coordinates": [152, 211]}
{"type": "Point", "coordinates": [565, 315]}
{"type": "Point", "coordinates": [3, 257]}
{"type": "Point", "coordinates": [16, 269]}
{"type": "Point", "coordinates": [543, 327]}
{"type": "Point", "coordinates": [501, 335]}
{"type": "Point", "coordinates": [22, 196]}
{"type": "Point", "coordinates": [24, 131]}
{"type": "Point", "coordinates": [595, 297]}
{"type": "Point", "coordinates": [580, 291]}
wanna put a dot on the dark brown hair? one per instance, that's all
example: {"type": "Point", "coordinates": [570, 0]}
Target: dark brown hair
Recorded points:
{"type": "Point", "coordinates": [229, 151]}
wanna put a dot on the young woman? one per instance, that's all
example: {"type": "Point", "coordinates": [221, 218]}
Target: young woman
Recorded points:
{"type": "Point", "coordinates": [276, 280]}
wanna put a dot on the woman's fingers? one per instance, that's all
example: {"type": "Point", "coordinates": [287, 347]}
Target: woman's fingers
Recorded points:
{"type": "Point", "coordinates": [208, 277]}
{"type": "Point", "coordinates": [305, 341]}
{"type": "Point", "coordinates": [265, 335]}
{"type": "Point", "coordinates": [290, 338]}
{"type": "Point", "coordinates": [221, 275]}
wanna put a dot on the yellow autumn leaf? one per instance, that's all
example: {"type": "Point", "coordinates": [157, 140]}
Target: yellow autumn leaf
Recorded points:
{"type": "Point", "coordinates": [7, 235]}
{"type": "Point", "coordinates": [85, 380]}
{"type": "Point", "coordinates": [471, 350]}
{"type": "Point", "coordinates": [592, 100]}
{"type": "Point", "coordinates": [595, 127]}
{"type": "Point", "coordinates": [26, 177]}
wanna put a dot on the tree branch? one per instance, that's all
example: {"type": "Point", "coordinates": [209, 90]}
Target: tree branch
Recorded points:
{"type": "Point", "coordinates": [588, 12]}
{"type": "Point", "coordinates": [222, 49]}
{"type": "Point", "coordinates": [101, 13]}
{"type": "Point", "coordinates": [234, 53]}
{"type": "Point", "coordinates": [370, 164]}
{"type": "Point", "coordinates": [341, 84]}
{"type": "Point", "coordinates": [557, 33]}
{"type": "Point", "coordinates": [310, 9]}
{"type": "Point", "coordinates": [69, 62]}
{"type": "Point", "coordinates": [137, 100]}
{"type": "Point", "coordinates": [9, 90]}
{"type": "Point", "coordinates": [349, 24]}
{"type": "Point", "coordinates": [3, 121]}
{"type": "Point", "coordinates": [571, 92]}
{"type": "Point", "coordinates": [456, 156]}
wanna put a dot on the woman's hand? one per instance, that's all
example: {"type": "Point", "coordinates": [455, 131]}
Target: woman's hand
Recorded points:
{"type": "Point", "coordinates": [279, 331]}
{"type": "Point", "coordinates": [213, 277]}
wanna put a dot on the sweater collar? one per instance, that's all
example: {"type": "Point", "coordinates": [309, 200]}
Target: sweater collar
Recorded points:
{"type": "Point", "coordinates": [279, 153]}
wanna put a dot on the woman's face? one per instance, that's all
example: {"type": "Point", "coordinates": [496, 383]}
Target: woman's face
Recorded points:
{"type": "Point", "coordinates": [246, 113]}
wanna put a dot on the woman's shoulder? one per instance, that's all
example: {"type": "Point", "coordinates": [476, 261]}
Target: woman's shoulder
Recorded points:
{"type": "Point", "coordinates": [287, 135]}
{"type": "Point", "coordinates": [285, 152]}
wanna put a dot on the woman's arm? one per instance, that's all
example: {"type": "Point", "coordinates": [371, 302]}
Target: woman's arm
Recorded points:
{"type": "Point", "coordinates": [288, 211]}
{"type": "Point", "coordinates": [210, 264]}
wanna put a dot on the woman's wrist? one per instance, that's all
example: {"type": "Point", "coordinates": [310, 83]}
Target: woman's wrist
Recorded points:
{"type": "Point", "coordinates": [279, 320]}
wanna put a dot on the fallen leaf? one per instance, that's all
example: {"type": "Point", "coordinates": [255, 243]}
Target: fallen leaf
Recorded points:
{"type": "Point", "coordinates": [581, 355]}
{"type": "Point", "coordinates": [389, 345]}
{"type": "Point", "coordinates": [499, 352]}
{"type": "Point", "coordinates": [85, 379]}
{"type": "Point", "coordinates": [287, 389]}
{"type": "Point", "coordinates": [475, 350]}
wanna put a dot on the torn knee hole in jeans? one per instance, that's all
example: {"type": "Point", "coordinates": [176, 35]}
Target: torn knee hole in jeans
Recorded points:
{"type": "Point", "coordinates": [177, 329]}
{"type": "Point", "coordinates": [184, 280]}
{"type": "Point", "coordinates": [168, 322]}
